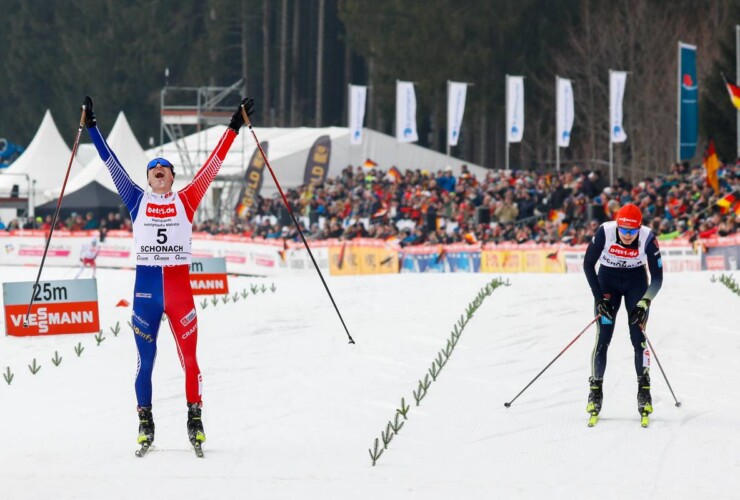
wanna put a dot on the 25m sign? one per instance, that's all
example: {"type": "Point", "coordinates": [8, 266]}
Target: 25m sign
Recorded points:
{"type": "Point", "coordinates": [64, 306]}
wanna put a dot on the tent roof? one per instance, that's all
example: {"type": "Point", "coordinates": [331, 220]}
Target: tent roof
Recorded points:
{"type": "Point", "coordinates": [44, 160]}
{"type": "Point", "coordinates": [288, 152]}
{"type": "Point", "coordinates": [128, 151]}
{"type": "Point", "coordinates": [93, 197]}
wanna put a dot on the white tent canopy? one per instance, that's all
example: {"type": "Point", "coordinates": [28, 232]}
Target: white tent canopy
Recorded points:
{"type": "Point", "coordinates": [288, 150]}
{"type": "Point", "coordinates": [129, 152]}
{"type": "Point", "coordinates": [44, 162]}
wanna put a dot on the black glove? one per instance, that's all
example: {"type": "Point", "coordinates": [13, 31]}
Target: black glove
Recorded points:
{"type": "Point", "coordinates": [640, 312]}
{"type": "Point", "coordinates": [605, 308]}
{"type": "Point", "coordinates": [90, 120]}
{"type": "Point", "coordinates": [237, 120]}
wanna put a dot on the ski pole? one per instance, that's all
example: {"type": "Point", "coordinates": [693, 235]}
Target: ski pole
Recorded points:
{"type": "Point", "coordinates": [650, 344]}
{"type": "Point", "coordinates": [56, 216]}
{"type": "Point", "coordinates": [551, 362]}
{"type": "Point", "coordinates": [295, 222]}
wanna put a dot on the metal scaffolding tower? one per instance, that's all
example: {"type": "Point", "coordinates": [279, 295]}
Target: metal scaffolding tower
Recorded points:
{"type": "Point", "coordinates": [187, 110]}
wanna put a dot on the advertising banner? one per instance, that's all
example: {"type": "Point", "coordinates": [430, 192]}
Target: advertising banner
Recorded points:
{"type": "Point", "coordinates": [688, 101]}
{"type": "Point", "coordinates": [455, 109]}
{"type": "Point", "coordinates": [406, 112]}
{"type": "Point", "coordinates": [208, 276]}
{"type": "Point", "coordinates": [564, 111]}
{"type": "Point", "coordinates": [253, 178]}
{"type": "Point", "coordinates": [617, 82]}
{"type": "Point", "coordinates": [61, 306]}
{"type": "Point", "coordinates": [317, 164]}
{"type": "Point", "coordinates": [357, 97]}
{"type": "Point", "coordinates": [514, 108]}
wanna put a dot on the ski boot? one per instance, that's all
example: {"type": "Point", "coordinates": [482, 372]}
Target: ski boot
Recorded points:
{"type": "Point", "coordinates": [195, 424]}
{"type": "Point", "coordinates": [595, 398]}
{"type": "Point", "coordinates": [644, 400]}
{"type": "Point", "coordinates": [146, 425]}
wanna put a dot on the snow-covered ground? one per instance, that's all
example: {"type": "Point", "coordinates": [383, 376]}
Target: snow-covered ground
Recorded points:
{"type": "Point", "coordinates": [291, 408]}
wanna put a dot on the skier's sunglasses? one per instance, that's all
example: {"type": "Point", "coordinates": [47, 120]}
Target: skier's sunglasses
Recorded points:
{"type": "Point", "coordinates": [159, 161]}
{"type": "Point", "coordinates": [628, 232]}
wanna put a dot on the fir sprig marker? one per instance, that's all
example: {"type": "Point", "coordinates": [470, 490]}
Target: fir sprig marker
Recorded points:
{"type": "Point", "coordinates": [375, 454]}
{"type": "Point", "coordinates": [34, 367]}
{"type": "Point", "coordinates": [57, 359]}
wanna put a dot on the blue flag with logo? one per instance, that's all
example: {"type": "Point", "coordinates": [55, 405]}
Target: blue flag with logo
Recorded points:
{"type": "Point", "coordinates": [688, 106]}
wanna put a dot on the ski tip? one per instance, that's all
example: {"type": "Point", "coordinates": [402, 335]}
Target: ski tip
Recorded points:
{"type": "Point", "coordinates": [645, 420]}
{"type": "Point", "coordinates": [593, 419]}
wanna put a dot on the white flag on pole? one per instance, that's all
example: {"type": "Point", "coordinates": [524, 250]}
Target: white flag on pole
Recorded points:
{"type": "Point", "coordinates": [406, 112]}
{"type": "Point", "coordinates": [455, 111]}
{"type": "Point", "coordinates": [617, 81]}
{"type": "Point", "coordinates": [515, 108]}
{"type": "Point", "coordinates": [357, 96]}
{"type": "Point", "coordinates": [565, 111]}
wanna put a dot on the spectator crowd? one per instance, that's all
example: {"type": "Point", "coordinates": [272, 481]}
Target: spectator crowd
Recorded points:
{"type": "Point", "coordinates": [419, 207]}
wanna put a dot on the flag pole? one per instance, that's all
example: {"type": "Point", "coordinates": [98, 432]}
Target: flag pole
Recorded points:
{"type": "Point", "coordinates": [349, 124]}
{"type": "Point", "coordinates": [678, 103]}
{"type": "Point", "coordinates": [737, 79]}
{"type": "Point", "coordinates": [447, 150]}
{"type": "Point", "coordinates": [611, 143]}
{"type": "Point", "coordinates": [506, 118]}
{"type": "Point", "coordinates": [557, 117]}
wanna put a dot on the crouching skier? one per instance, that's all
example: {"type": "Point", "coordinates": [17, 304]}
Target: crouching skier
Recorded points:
{"type": "Point", "coordinates": [162, 227]}
{"type": "Point", "coordinates": [625, 250]}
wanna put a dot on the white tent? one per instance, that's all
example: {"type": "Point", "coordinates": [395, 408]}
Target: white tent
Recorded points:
{"type": "Point", "coordinates": [44, 164]}
{"type": "Point", "coordinates": [129, 152]}
{"type": "Point", "coordinates": [288, 150]}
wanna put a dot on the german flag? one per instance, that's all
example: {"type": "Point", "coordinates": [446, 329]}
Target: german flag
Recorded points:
{"type": "Point", "coordinates": [553, 255]}
{"type": "Point", "coordinates": [369, 164]}
{"type": "Point", "coordinates": [726, 203]}
{"type": "Point", "coordinates": [284, 252]}
{"type": "Point", "coordinates": [340, 261]}
{"type": "Point", "coordinates": [733, 90]}
{"type": "Point", "coordinates": [394, 174]}
{"type": "Point", "coordinates": [440, 255]}
{"type": "Point", "coordinates": [711, 165]}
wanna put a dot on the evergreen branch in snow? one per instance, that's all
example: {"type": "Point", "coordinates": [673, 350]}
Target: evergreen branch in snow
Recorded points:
{"type": "Point", "coordinates": [57, 359]}
{"type": "Point", "coordinates": [34, 367]}
{"type": "Point", "coordinates": [387, 435]}
{"type": "Point", "coordinates": [404, 409]}
{"type": "Point", "coordinates": [375, 454]}
{"type": "Point", "coordinates": [79, 349]}
{"type": "Point", "coordinates": [99, 337]}
{"type": "Point", "coordinates": [8, 375]}
{"type": "Point", "coordinates": [116, 330]}
{"type": "Point", "coordinates": [396, 425]}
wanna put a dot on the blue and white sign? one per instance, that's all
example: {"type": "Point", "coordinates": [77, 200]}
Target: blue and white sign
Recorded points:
{"type": "Point", "coordinates": [406, 112]}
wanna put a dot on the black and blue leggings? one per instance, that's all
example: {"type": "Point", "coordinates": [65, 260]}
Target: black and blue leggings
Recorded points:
{"type": "Point", "coordinates": [630, 284]}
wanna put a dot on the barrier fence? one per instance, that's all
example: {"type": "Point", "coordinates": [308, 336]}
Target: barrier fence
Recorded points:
{"type": "Point", "coordinates": [248, 256]}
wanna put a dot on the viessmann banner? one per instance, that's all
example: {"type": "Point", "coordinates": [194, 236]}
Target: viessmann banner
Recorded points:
{"type": "Point", "coordinates": [208, 276]}
{"type": "Point", "coordinates": [62, 306]}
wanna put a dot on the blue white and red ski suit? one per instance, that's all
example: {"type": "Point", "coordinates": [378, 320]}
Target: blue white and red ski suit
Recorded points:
{"type": "Point", "coordinates": [622, 273]}
{"type": "Point", "coordinates": [162, 226]}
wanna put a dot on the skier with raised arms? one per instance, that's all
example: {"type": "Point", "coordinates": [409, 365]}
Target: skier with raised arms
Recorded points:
{"type": "Point", "coordinates": [625, 250]}
{"type": "Point", "coordinates": [162, 229]}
